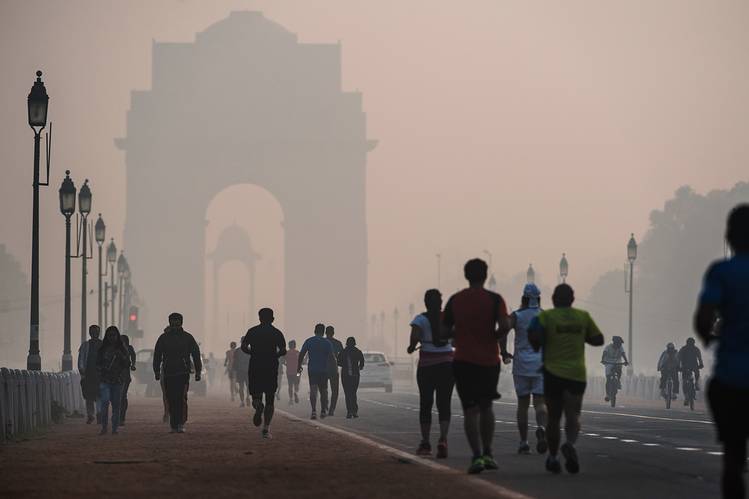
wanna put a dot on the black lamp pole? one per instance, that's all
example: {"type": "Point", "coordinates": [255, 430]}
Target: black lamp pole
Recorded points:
{"type": "Point", "coordinates": [100, 230]}
{"type": "Point", "coordinates": [111, 259]}
{"type": "Point", "coordinates": [84, 207]}
{"type": "Point", "coordinates": [38, 101]}
{"type": "Point", "coordinates": [67, 208]}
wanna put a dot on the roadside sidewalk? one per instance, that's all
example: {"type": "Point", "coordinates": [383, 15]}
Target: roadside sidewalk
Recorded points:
{"type": "Point", "coordinates": [221, 455]}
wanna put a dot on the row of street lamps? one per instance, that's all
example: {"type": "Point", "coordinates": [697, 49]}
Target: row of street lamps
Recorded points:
{"type": "Point", "coordinates": [38, 101]}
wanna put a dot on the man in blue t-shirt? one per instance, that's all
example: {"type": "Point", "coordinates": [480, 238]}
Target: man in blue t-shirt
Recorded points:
{"type": "Point", "coordinates": [320, 354]}
{"type": "Point", "coordinates": [725, 295]}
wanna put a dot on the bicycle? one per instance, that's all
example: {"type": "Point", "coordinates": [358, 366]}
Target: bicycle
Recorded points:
{"type": "Point", "coordinates": [690, 394]}
{"type": "Point", "coordinates": [613, 381]}
{"type": "Point", "coordinates": [669, 392]}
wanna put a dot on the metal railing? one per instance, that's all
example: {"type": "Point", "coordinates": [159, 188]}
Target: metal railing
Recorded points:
{"type": "Point", "coordinates": [31, 399]}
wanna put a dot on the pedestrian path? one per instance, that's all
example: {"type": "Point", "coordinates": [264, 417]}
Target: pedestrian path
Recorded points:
{"type": "Point", "coordinates": [220, 455]}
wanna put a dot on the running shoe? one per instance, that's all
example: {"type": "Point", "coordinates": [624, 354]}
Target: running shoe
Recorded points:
{"type": "Point", "coordinates": [552, 465]}
{"type": "Point", "coordinates": [181, 429]}
{"type": "Point", "coordinates": [356, 415]}
{"type": "Point", "coordinates": [89, 420]}
{"type": "Point", "coordinates": [314, 415]}
{"type": "Point", "coordinates": [257, 419]}
{"type": "Point", "coordinates": [541, 445]}
{"type": "Point", "coordinates": [266, 433]}
{"type": "Point", "coordinates": [424, 449]}
{"type": "Point", "coordinates": [442, 449]}
{"type": "Point", "coordinates": [323, 414]}
{"type": "Point", "coordinates": [571, 462]}
{"type": "Point", "coordinates": [349, 416]}
{"type": "Point", "coordinates": [489, 462]}
{"type": "Point", "coordinates": [524, 448]}
{"type": "Point", "coordinates": [477, 466]}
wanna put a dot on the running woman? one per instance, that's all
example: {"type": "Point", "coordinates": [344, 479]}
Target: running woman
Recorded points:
{"type": "Point", "coordinates": [562, 333]}
{"type": "Point", "coordinates": [265, 345]}
{"type": "Point", "coordinates": [434, 373]}
{"type": "Point", "coordinates": [527, 371]}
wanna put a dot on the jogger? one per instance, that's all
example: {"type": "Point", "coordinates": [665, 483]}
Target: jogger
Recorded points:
{"type": "Point", "coordinates": [351, 360]}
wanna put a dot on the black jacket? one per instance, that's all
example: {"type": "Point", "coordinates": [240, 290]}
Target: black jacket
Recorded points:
{"type": "Point", "coordinates": [351, 360]}
{"type": "Point", "coordinates": [111, 364]}
{"type": "Point", "coordinates": [174, 348]}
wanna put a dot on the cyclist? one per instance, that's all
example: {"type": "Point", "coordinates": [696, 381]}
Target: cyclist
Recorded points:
{"type": "Point", "coordinates": [668, 366]}
{"type": "Point", "coordinates": [690, 358]}
{"type": "Point", "coordinates": [612, 358]}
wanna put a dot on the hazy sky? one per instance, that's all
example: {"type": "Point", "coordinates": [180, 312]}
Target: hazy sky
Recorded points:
{"type": "Point", "coordinates": [524, 128]}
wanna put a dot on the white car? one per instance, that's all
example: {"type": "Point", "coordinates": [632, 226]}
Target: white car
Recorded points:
{"type": "Point", "coordinates": [377, 372]}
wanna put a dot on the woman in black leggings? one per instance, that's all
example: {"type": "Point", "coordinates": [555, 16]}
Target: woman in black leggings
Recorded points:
{"type": "Point", "coordinates": [435, 372]}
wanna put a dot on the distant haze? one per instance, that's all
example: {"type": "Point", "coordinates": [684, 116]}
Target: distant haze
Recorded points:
{"type": "Point", "coordinates": [527, 129]}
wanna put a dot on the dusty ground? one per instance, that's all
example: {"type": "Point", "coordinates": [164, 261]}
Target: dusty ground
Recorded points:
{"type": "Point", "coordinates": [221, 455]}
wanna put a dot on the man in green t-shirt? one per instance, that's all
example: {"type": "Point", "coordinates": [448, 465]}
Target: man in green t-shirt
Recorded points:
{"type": "Point", "coordinates": [563, 333]}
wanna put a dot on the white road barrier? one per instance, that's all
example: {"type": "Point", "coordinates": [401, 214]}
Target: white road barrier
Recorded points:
{"type": "Point", "coordinates": [31, 399]}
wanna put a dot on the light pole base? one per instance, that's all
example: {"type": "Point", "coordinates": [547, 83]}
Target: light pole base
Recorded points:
{"type": "Point", "coordinates": [67, 362]}
{"type": "Point", "coordinates": [34, 362]}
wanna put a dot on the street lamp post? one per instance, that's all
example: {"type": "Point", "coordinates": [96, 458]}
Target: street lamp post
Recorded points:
{"type": "Point", "coordinates": [395, 328]}
{"type": "Point", "coordinates": [631, 256]}
{"type": "Point", "coordinates": [530, 275]}
{"type": "Point", "coordinates": [564, 268]}
{"type": "Point", "coordinates": [67, 208]}
{"type": "Point", "coordinates": [111, 259]}
{"type": "Point", "coordinates": [84, 207]}
{"type": "Point", "coordinates": [38, 102]}
{"type": "Point", "coordinates": [100, 231]}
{"type": "Point", "coordinates": [121, 268]}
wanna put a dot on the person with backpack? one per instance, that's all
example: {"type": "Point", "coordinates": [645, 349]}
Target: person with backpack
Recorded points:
{"type": "Point", "coordinates": [112, 362]}
{"type": "Point", "coordinates": [351, 361]}
{"type": "Point", "coordinates": [477, 318]}
{"type": "Point", "coordinates": [434, 373]}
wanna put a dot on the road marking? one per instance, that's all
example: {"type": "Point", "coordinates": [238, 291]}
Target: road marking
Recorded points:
{"type": "Point", "coordinates": [690, 449]}
{"type": "Point", "coordinates": [591, 434]}
{"type": "Point", "coordinates": [610, 438]}
{"type": "Point", "coordinates": [489, 486]}
{"type": "Point", "coordinates": [715, 453]}
{"type": "Point", "coordinates": [640, 416]}
{"type": "Point", "coordinates": [649, 444]}
{"type": "Point", "coordinates": [630, 441]}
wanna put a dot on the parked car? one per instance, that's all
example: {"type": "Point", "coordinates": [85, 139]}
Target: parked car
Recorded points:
{"type": "Point", "coordinates": [144, 376]}
{"type": "Point", "coordinates": [377, 372]}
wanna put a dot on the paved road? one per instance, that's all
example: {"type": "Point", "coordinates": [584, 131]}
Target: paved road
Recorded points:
{"type": "Point", "coordinates": [625, 452]}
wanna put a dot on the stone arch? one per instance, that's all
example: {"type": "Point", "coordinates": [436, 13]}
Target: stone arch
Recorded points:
{"type": "Point", "coordinates": [247, 103]}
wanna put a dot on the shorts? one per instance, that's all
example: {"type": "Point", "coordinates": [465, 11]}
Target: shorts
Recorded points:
{"type": "Point", "coordinates": [476, 385]}
{"type": "Point", "coordinates": [318, 379]}
{"type": "Point", "coordinates": [729, 406]}
{"type": "Point", "coordinates": [526, 385]}
{"type": "Point", "coordinates": [554, 387]}
{"type": "Point", "coordinates": [262, 380]}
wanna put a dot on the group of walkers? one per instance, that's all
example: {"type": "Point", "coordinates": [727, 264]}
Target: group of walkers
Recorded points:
{"type": "Point", "coordinates": [105, 367]}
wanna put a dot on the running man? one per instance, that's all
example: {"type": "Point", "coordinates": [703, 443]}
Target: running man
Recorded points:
{"type": "Point", "coordinates": [264, 344]}
{"type": "Point", "coordinates": [229, 365]}
{"type": "Point", "coordinates": [478, 320]}
{"type": "Point", "coordinates": [241, 366]}
{"type": "Point", "coordinates": [333, 375]}
{"type": "Point", "coordinates": [562, 333]}
{"type": "Point", "coordinates": [291, 360]}
{"type": "Point", "coordinates": [320, 354]}
{"type": "Point", "coordinates": [725, 293]}
{"type": "Point", "coordinates": [612, 358]}
{"type": "Point", "coordinates": [527, 371]}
